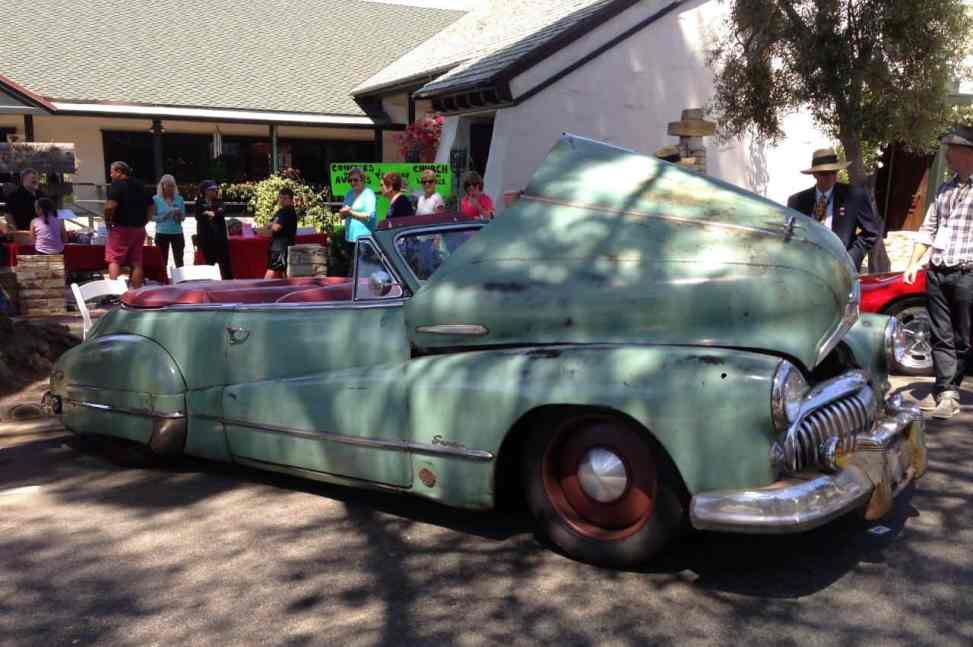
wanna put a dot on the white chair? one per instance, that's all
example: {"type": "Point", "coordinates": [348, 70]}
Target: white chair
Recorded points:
{"type": "Point", "coordinates": [196, 273]}
{"type": "Point", "coordinates": [94, 290]}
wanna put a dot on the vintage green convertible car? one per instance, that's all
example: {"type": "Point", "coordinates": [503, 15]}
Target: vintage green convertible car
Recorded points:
{"type": "Point", "coordinates": [630, 346]}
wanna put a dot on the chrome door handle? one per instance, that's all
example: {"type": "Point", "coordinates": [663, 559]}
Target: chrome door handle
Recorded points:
{"type": "Point", "coordinates": [237, 335]}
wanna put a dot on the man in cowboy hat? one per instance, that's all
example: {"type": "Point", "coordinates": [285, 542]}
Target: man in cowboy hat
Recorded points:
{"type": "Point", "coordinates": [948, 229]}
{"type": "Point", "coordinates": [844, 209]}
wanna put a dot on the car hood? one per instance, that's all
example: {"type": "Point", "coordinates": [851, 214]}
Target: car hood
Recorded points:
{"type": "Point", "coordinates": [609, 246]}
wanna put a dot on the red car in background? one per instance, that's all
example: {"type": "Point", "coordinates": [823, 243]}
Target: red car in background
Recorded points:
{"type": "Point", "coordinates": [889, 295]}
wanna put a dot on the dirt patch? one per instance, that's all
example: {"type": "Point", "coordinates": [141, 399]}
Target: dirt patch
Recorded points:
{"type": "Point", "coordinates": [28, 350]}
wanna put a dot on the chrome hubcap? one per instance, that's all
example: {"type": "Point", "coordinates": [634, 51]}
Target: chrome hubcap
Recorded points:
{"type": "Point", "coordinates": [916, 333]}
{"type": "Point", "coordinates": [602, 475]}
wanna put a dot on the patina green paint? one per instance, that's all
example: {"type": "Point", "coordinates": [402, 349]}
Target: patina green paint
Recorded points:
{"type": "Point", "coordinates": [206, 436]}
{"type": "Point", "coordinates": [608, 246]}
{"type": "Point", "coordinates": [866, 340]}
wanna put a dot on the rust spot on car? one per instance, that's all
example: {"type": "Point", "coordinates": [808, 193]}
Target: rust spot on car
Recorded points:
{"type": "Point", "coordinates": [504, 286]}
{"type": "Point", "coordinates": [569, 322]}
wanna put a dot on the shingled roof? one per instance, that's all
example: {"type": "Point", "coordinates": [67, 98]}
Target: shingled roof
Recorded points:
{"type": "Point", "coordinates": [293, 56]}
{"type": "Point", "coordinates": [499, 38]}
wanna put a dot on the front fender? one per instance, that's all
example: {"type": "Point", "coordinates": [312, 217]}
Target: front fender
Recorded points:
{"type": "Point", "coordinates": [709, 407]}
{"type": "Point", "coordinates": [866, 339]}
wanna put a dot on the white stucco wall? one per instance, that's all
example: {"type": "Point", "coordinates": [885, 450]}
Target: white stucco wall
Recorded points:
{"type": "Point", "coordinates": [630, 93]}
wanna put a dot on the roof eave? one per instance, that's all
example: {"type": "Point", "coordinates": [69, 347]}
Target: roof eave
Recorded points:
{"type": "Point", "coordinates": [21, 93]}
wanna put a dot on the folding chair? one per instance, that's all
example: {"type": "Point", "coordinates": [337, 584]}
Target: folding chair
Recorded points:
{"type": "Point", "coordinates": [196, 273]}
{"type": "Point", "coordinates": [95, 289]}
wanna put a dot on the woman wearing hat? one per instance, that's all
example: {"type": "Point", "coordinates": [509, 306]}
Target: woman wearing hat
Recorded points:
{"type": "Point", "coordinates": [211, 228]}
{"type": "Point", "coordinates": [845, 210]}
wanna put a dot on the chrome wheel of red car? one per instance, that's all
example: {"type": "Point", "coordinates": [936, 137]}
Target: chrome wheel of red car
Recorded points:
{"type": "Point", "coordinates": [602, 490]}
{"type": "Point", "coordinates": [915, 332]}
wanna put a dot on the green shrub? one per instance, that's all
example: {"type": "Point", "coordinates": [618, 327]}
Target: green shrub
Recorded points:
{"type": "Point", "coordinates": [309, 203]}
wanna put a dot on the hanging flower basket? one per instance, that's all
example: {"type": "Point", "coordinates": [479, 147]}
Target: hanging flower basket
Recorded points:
{"type": "Point", "coordinates": [420, 140]}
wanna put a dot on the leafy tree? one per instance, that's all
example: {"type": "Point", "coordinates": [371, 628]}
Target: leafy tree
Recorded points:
{"type": "Point", "coordinates": [870, 71]}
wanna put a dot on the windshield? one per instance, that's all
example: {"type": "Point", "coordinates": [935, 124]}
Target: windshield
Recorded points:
{"type": "Point", "coordinates": [424, 252]}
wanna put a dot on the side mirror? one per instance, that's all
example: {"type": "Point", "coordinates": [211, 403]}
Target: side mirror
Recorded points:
{"type": "Point", "coordinates": [380, 283]}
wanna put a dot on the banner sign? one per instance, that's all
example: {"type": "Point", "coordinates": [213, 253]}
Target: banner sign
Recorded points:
{"type": "Point", "coordinates": [373, 180]}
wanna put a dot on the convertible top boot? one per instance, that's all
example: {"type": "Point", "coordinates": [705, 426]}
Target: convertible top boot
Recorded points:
{"type": "Point", "coordinates": [948, 405]}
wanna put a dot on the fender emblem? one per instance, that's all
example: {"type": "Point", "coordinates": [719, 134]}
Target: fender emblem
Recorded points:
{"type": "Point", "coordinates": [439, 440]}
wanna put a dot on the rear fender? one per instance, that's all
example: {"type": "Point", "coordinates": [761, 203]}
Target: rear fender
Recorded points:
{"type": "Point", "coordinates": [126, 386]}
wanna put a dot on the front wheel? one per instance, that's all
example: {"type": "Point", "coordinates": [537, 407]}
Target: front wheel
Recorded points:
{"type": "Point", "coordinates": [602, 490]}
{"type": "Point", "coordinates": [916, 331]}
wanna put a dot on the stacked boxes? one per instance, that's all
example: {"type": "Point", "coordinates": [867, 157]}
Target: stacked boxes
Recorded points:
{"type": "Point", "coordinates": [307, 260]}
{"type": "Point", "coordinates": [40, 284]}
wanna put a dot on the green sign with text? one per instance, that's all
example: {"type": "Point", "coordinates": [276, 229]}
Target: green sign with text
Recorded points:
{"type": "Point", "coordinates": [373, 179]}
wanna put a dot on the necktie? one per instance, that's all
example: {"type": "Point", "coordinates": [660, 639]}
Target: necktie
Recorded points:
{"type": "Point", "coordinates": [821, 208]}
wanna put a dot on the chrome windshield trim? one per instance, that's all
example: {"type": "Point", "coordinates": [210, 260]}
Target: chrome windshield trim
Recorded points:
{"type": "Point", "coordinates": [141, 413]}
{"type": "Point", "coordinates": [370, 240]}
{"type": "Point", "coordinates": [478, 455]}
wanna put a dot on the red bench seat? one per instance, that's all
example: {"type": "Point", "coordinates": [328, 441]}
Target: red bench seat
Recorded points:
{"type": "Point", "coordinates": [331, 288]}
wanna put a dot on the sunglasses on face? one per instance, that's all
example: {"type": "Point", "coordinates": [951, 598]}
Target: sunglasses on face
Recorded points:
{"type": "Point", "coordinates": [355, 180]}
{"type": "Point", "coordinates": [429, 181]}
{"type": "Point", "coordinates": [473, 185]}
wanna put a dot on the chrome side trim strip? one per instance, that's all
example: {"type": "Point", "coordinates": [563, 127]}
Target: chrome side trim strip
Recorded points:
{"type": "Point", "coordinates": [478, 455]}
{"type": "Point", "coordinates": [469, 330]}
{"type": "Point", "coordinates": [323, 305]}
{"type": "Point", "coordinates": [141, 413]}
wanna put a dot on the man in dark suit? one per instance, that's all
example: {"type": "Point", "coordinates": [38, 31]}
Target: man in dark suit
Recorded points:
{"type": "Point", "coordinates": [845, 209]}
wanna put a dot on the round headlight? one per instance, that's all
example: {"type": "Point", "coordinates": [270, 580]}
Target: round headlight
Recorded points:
{"type": "Point", "coordinates": [787, 396]}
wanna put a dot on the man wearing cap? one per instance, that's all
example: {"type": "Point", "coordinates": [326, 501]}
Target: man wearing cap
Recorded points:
{"type": "Point", "coordinates": [844, 209]}
{"type": "Point", "coordinates": [948, 230]}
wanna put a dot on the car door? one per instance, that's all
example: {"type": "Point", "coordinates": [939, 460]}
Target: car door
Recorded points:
{"type": "Point", "coordinates": [315, 386]}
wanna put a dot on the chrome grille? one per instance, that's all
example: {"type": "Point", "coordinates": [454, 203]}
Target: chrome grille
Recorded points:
{"type": "Point", "coordinates": [840, 420]}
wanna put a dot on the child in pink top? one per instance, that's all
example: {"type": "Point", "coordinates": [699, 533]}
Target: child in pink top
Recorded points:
{"type": "Point", "coordinates": [475, 203]}
{"type": "Point", "coordinates": [47, 230]}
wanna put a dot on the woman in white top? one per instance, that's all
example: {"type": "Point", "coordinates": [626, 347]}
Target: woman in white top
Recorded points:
{"type": "Point", "coordinates": [430, 202]}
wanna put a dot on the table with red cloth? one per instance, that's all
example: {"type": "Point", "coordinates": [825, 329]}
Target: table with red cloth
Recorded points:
{"type": "Point", "coordinates": [248, 256]}
{"type": "Point", "coordinates": [91, 258]}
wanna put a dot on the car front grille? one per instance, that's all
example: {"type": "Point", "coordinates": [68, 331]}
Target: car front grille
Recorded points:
{"type": "Point", "coordinates": [841, 419]}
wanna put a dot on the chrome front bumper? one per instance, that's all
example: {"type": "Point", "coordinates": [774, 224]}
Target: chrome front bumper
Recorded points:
{"type": "Point", "coordinates": [884, 462]}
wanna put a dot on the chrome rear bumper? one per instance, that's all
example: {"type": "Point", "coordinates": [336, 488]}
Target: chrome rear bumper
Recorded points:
{"type": "Point", "coordinates": [884, 462]}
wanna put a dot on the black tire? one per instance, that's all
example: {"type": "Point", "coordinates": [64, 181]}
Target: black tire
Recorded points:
{"type": "Point", "coordinates": [622, 532]}
{"type": "Point", "coordinates": [913, 319]}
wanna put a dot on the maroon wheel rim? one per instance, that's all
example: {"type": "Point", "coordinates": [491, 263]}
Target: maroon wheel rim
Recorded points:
{"type": "Point", "coordinates": [617, 519]}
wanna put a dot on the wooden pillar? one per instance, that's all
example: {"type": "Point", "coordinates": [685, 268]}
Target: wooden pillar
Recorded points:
{"type": "Point", "coordinates": [157, 148]}
{"type": "Point", "coordinates": [29, 128]}
{"type": "Point", "coordinates": [379, 152]}
{"type": "Point", "coordinates": [275, 161]}
{"type": "Point", "coordinates": [412, 109]}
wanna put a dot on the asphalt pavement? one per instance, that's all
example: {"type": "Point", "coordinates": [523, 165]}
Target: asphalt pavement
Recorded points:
{"type": "Point", "coordinates": [195, 553]}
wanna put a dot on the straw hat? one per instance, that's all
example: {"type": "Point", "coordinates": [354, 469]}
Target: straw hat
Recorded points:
{"type": "Point", "coordinates": [825, 160]}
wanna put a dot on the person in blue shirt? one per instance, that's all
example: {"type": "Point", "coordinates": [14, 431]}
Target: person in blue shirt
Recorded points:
{"type": "Point", "coordinates": [359, 207]}
{"type": "Point", "coordinates": [170, 211]}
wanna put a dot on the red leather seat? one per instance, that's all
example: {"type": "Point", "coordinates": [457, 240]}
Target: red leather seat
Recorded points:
{"type": "Point", "coordinates": [331, 288]}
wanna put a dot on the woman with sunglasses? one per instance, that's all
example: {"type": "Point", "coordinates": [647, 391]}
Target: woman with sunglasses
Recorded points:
{"type": "Point", "coordinates": [359, 207]}
{"type": "Point", "coordinates": [475, 203]}
{"type": "Point", "coordinates": [430, 202]}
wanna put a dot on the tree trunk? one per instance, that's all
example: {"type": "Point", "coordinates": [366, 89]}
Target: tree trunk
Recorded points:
{"type": "Point", "coordinates": [878, 258]}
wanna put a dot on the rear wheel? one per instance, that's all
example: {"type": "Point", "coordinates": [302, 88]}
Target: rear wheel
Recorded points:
{"type": "Point", "coordinates": [602, 490]}
{"type": "Point", "coordinates": [916, 331]}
